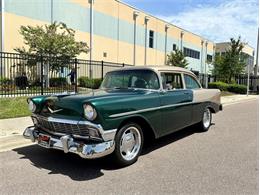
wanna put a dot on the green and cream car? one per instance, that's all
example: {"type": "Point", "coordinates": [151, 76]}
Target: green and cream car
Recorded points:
{"type": "Point", "coordinates": [131, 105]}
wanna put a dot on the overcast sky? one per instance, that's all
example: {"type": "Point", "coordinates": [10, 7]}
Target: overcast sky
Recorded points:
{"type": "Point", "coordinates": [216, 20]}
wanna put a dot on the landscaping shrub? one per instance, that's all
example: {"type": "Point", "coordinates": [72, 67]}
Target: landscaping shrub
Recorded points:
{"type": "Point", "coordinates": [36, 83]}
{"type": "Point", "coordinates": [58, 82]}
{"type": "Point", "coordinates": [21, 82]}
{"type": "Point", "coordinates": [89, 83]}
{"type": "Point", "coordinates": [5, 81]}
{"type": "Point", "coordinates": [236, 88]}
{"type": "Point", "coordinates": [218, 85]}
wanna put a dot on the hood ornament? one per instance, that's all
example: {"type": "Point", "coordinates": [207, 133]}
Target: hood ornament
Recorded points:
{"type": "Point", "coordinates": [54, 111]}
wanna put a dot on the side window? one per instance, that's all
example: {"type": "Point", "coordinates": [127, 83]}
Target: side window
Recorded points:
{"type": "Point", "coordinates": [172, 81]}
{"type": "Point", "coordinates": [190, 82]}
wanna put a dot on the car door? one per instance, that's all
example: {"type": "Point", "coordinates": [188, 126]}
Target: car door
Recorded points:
{"type": "Point", "coordinates": [198, 106]}
{"type": "Point", "coordinates": [175, 103]}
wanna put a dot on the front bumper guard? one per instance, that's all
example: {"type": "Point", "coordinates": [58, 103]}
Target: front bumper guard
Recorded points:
{"type": "Point", "coordinates": [68, 144]}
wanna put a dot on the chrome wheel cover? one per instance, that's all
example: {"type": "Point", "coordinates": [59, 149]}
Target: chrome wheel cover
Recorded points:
{"type": "Point", "coordinates": [206, 118]}
{"type": "Point", "coordinates": [130, 143]}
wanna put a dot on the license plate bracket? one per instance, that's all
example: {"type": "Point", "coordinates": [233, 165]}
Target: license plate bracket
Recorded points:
{"type": "Point", "coordinates": [44, 140]}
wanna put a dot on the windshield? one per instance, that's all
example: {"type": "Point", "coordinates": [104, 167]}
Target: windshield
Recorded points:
{"type": "Point", "coordinates": [143, 79]}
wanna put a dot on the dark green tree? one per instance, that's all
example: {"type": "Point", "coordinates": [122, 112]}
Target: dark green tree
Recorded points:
{"type": "Point", "coordinates": [177, 58]}
{"type": "Point", "coordinates": [56, 41]}
{"type": "Point", "coordinates": [231, 63]}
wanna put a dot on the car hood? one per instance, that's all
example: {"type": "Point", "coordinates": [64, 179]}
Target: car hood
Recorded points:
{"type": "Point", "coordinates": [72, 105]}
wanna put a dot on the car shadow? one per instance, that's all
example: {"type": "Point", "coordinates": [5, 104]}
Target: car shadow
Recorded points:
{"type": "Point", "coordinates": [168, 139]}
{"type": "Point", "coordinates": [79, 169]}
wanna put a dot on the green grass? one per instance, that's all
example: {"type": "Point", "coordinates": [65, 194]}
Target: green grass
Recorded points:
{"type": "Point", "coordinates": [13, 107]}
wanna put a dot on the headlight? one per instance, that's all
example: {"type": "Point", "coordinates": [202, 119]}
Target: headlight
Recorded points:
{"type": "Point", "coordinates": [89, 112]}
{"type": "Point", "coordinates": [31, 106]}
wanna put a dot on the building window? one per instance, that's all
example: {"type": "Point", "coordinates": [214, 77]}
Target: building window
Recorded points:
{"type": "Point", "coordinates": [209, 58]}
{"type": "Point", "coordinates": [151, 38]}
{"type": "Point", "coordinates": [191, 53]}
{"type": "Point", "coordinates": [174, 47]}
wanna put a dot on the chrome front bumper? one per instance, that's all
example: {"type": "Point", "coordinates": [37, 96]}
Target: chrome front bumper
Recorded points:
{"type": "Point", "coordinates": [68, 144]}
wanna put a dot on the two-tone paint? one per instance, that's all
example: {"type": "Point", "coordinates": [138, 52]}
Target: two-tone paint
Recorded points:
{"type": "Point", "coordinates": [162, 111]}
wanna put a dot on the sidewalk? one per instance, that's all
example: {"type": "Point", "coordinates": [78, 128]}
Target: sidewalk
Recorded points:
{"type": "Point", "coordinates": [231, 99]}
{"type": "Point", "coordinates": [11, 130]}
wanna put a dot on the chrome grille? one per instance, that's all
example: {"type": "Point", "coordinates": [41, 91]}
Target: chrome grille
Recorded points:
{"type": "Point", "coordinates": [62, 128]}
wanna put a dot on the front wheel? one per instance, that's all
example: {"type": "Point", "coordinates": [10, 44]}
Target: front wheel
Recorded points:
{"type": "Point", "coordinates": [205, 123]}
{"type": "Point", "coordinates": [128, 144]}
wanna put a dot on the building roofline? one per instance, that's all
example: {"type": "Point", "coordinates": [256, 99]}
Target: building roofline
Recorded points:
{"type": "Point", "coordinates": [242, 42]}
{"type": "Point", "coordinates": [148, 14]}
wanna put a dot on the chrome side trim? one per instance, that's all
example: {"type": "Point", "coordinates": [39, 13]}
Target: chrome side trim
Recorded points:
{"type": "Point", "coordinates": [150, 109]}
{"type": "Point", "coordinates": [67, 144]}
{"type": "Point", "coordinates": [57, 120]}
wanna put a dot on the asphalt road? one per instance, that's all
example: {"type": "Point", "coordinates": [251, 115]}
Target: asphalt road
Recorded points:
{"type": "Point", "coordinates": [221, 161]}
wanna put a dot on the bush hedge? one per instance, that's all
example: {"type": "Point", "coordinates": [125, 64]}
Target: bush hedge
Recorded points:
{"type": "Point", "coordinates": [58, 82]}
{"type": "Point", "coordinates": [218, 85]}
{"type": "Point", "coordinates": [234, 88]}
{"type": "Point", "coordinates": [89, 83]}
{"type": "Point", "coordinates": [5, 81]}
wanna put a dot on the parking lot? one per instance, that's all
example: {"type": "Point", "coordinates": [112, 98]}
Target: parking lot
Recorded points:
{"type": "Point", "coordinates": [223, 160]}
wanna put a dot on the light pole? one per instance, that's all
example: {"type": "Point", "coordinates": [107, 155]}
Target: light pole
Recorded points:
{"type": "Point", "coordinates": [256, 64]}
{"type": "Point", "coordinates": [201, 62]}
{"type": "Point", "coordinates": [206, 63]}
{"type": "Point", "coordinates": [247, 90]}
{"type": "Point", "coordinates": [182, 33]}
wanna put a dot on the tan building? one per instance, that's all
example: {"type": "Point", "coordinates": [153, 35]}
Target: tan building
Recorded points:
{"type": "Point", "coordinates": [115, 31]}
{"type": "Point", "coordinates": [248, 51]}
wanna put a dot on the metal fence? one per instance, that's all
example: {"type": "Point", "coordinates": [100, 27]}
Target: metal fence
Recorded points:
{"type": "Point", "coordinates": [28, 75]}
{"type": "Point", "coordinates": [238, 79]}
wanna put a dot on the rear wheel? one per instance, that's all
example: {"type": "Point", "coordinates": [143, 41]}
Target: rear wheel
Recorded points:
{"type": "Point", "coordinates": [128, 144]}
{"type": "Point", "coordinates": [205, 123]}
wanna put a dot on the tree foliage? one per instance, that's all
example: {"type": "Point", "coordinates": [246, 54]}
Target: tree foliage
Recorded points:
{"type": "Point", "coordinates": [231, 63]}
{"type": "Point", "coordinates": [177, 58]}
{"type": "Point", "coordinates": [55, 41]}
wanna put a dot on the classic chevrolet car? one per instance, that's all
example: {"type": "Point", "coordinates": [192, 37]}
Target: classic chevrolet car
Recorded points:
{"type": "Point", "coordinates": [131, 105]}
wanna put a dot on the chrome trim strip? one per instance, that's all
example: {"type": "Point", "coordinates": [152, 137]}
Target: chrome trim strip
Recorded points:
{"type": "Point", "coordinates": [150, 109]}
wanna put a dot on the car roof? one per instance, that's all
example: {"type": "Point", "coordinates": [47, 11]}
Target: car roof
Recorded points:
{"type": "Point", "coordinates": [160, 68]}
